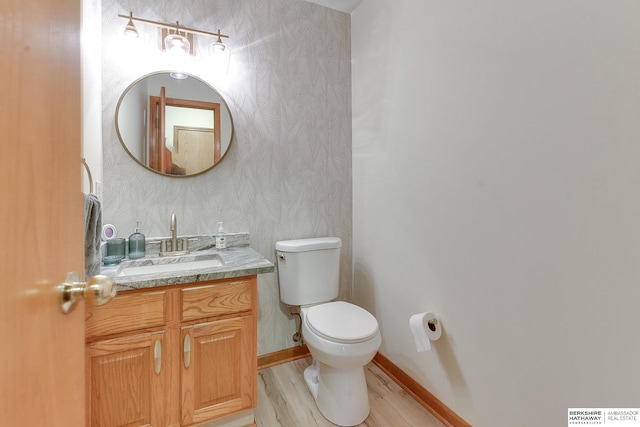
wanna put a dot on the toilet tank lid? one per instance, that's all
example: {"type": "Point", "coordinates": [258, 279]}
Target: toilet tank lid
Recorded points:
{"type": "Point", "coordinates": [302, 245]}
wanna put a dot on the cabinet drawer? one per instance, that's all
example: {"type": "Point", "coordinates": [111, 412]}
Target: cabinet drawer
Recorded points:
{"type": "Point", "coordinates": [128, 312]}
{"type": "Point", "coordinates": [216, 300]}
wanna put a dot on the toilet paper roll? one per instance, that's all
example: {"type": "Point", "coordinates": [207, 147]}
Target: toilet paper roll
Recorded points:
{"type": "Point", "coordinates": [425, 328]}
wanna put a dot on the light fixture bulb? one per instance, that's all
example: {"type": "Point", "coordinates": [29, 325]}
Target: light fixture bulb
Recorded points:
{"type": "Point", "coordinates": [175, 43]}
{"type": "Point", "coordinates": [217, 47]}
{"type": "Point", "coordinates": [130, 30]}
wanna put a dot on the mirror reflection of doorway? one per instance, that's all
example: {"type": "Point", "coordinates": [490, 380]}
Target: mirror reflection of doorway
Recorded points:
{"type": "Point", "coordinates": [184, 135]}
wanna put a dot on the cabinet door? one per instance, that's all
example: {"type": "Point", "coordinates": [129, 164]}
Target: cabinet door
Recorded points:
{"type": "Point", "coordinates": [218, 369]}
{"type": "Point", "coordinates": [125, 381]}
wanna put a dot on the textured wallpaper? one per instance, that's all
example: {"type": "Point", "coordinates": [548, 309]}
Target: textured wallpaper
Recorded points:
{"type": "Point", "coordinates": [288, 172]}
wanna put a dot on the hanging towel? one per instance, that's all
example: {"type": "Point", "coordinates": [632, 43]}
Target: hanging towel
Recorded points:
{"type": "Point", "coordinates": [92, 232]}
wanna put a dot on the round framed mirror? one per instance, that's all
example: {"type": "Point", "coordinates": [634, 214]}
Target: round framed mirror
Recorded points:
{"type": "Point", "coordinates": [174, 124]}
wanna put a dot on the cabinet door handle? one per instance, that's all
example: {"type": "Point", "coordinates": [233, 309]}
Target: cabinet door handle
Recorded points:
{"type": "Point", "coordinates": [187, 351]}
{"type": "Point", "coordinates": [157, 356]}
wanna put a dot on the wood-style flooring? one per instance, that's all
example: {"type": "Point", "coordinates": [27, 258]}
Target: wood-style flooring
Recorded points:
{"type": "Point", "coordinates": [285, 401]}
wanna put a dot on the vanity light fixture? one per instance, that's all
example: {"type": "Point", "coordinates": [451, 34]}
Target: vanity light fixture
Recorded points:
{"type": "Point", "coordinates": [176, 37]}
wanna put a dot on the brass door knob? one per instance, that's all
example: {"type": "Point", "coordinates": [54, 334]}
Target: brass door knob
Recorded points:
{"type": "Point", "coordinates": [98, 290]}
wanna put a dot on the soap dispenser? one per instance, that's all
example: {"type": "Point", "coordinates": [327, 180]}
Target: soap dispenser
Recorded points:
{"type": "Point", "coordinates": [137, 244]}
{"type": "Point", "coordinates": [221, 241]}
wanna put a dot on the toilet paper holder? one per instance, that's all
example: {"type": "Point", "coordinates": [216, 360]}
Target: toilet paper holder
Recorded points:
{"type": "Point", "coordinates": [425, 328]}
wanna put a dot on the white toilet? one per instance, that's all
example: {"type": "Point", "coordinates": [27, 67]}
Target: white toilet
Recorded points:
{"type": "Point", "coordinates": [341, 337]}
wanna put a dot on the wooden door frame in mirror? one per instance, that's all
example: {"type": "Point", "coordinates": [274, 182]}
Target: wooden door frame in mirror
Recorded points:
{"type": "Point", "coordinates": [159, 155]}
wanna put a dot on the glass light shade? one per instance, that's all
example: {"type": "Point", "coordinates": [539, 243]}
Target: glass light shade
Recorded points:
{"type": "Point", "coordinates": [220, 56]}
{"type": "Point", "coordinates": [175, 43]}
{"type": "Point", "coordinates": [131, 30]}
{"type": "Point", "coordinates": [217, 47]}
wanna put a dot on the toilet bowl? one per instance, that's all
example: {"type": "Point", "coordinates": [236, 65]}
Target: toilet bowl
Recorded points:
{"type": "Point", "coordinates": [342, 338]}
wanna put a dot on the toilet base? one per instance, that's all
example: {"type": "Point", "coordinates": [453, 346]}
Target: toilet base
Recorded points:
{"type": "Point", "coordinates": [341, 395]}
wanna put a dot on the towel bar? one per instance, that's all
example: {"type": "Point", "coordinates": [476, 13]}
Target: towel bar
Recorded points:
{"type": "Point", "coordinates": [86, 166]}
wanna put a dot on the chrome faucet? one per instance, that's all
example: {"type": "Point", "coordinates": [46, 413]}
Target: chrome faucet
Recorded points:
{"type": "Point", "coordinates": [174, 233]}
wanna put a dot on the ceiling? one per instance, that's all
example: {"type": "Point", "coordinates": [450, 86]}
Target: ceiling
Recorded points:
{"type": "Point", "coordinates": [341, 5]}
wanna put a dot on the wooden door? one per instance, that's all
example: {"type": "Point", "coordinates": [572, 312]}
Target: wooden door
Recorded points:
{"type": "Point", "coordinates": [41, 220]}
{"type": "Point", "coordinates": [218, 369]}
{"type": "Point", "coordinates": [126, 381]}
{"type": "Point", "coordinates": [194, 148]}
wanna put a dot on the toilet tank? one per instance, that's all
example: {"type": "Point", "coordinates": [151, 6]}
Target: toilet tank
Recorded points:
{"type": "Point", "coordinates": [309, 270]}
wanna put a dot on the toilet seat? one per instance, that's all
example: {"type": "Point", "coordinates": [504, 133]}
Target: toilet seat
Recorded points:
{"type": "Point", "coordinates": [341, 322]}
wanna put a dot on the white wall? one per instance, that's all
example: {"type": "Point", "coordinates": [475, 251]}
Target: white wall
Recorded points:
{"type": "Point", "coordinates": [91, 95]}
{"type": "Point", "coordinates": [496, 180]}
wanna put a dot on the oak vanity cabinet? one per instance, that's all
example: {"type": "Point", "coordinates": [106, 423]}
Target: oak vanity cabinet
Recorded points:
{"type": "Point", "coordinates": [173, 356]}
{"type": "Point", "coordinates": [219, 357]}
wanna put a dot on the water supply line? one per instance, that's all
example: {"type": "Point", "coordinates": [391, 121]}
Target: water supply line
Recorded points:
{"type": "Point", "coordinates": [297, 337]}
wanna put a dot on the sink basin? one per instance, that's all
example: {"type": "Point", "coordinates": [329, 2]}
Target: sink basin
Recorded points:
{"type": "Point", "coordinates": [177, 264]}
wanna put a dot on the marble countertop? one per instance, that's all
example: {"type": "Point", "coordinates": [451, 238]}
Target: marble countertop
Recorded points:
{"type": "Point", "coordinates": [236, 262]}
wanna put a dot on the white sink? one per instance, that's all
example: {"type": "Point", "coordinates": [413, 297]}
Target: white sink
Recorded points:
{"type": "Point", "coordinates": [179, 264]}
